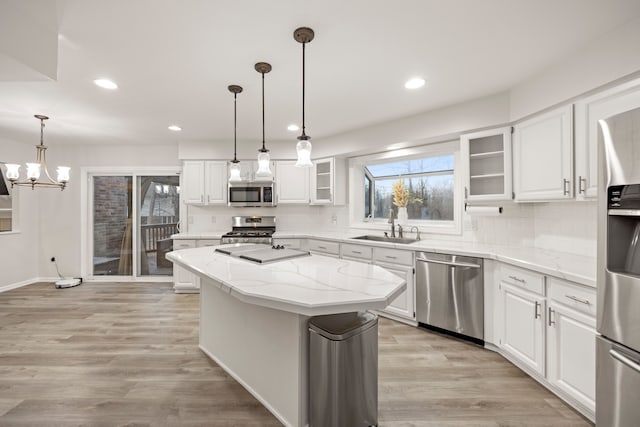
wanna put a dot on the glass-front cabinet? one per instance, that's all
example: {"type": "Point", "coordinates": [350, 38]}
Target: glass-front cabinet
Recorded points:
{"type": "Point", "coordinates": [487, 155]}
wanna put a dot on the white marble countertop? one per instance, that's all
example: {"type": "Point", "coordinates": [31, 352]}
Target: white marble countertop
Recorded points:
{"type": "Point", "coordinates": [579, 269]}
{"type": "Point", "coordinates": [310, 285]}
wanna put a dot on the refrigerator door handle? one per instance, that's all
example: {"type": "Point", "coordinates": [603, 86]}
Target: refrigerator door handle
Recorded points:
{"type": "Point", "coordinates": [624, 359]}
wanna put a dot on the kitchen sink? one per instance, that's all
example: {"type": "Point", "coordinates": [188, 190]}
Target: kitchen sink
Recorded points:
{"type": "Point", "coordinates": [386, 239]}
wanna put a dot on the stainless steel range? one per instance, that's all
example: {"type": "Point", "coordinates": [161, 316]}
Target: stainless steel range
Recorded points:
{"type": "Point", "coordinates": [250, 229]}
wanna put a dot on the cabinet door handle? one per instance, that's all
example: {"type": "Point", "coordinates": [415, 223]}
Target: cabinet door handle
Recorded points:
{"type": "Point", "coordinates": [391, 257]}
{"type": "Point", "coordinates": [581, 189]}
{"type": "Point", "coordinates": [565, 187]}
{"type": "Point", "coordinates": [201, 199]}
{"type": "Point", "coordinates": [466, 193]}
{"type": "Point", "coordinates": [517, 279]}
{"type": "Point", "coordinates": [208, 198]}
{"type": "Point", "coordinates": [536, 312]}
{"type": "Point", "coordinates": [322, 247]}
{"type": "Point", "coordinates": [580, 300]}
{"type": "Point", "coordinates": [357, 252]}
{"type": "Point", "coordinates": [551, 322]}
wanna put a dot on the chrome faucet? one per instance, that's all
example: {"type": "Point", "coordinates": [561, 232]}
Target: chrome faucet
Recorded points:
{"type": "Point", "coordinates": [392, 222]}
{"type": "Point", "coordinates": [417, 232]}
{"type": "Point", "coordinates": [400, 235]}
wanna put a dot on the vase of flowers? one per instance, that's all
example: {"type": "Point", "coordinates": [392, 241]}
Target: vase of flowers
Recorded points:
{"type": "Point", "coordinates": [401, 199]}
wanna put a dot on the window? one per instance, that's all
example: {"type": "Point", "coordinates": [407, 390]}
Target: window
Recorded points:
{"type": "Point", "coordinates": [6, 202]}
{"type": "Point", "coordinates": [430, 182]}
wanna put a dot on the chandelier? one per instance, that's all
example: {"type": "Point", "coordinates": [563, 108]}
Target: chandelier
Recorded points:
{"type": "Point", "coordinates": [34, 170]}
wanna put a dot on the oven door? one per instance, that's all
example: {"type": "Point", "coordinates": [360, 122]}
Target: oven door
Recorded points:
{"type": "Point", "coordinates": [618, 384]}
{"type": "Point", "coordinates": [245, 196]}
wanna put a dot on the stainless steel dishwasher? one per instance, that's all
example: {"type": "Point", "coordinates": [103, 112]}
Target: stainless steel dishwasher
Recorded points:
{"type": "Point", "coordinates": [450, 294]}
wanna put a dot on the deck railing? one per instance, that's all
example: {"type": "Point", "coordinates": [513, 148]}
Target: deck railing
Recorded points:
{"type": "Point", "coordinates": [151, 233]}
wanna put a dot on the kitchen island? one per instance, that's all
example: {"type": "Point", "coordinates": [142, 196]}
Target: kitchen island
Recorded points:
{"type": "Point", "coordinates": [253, 317]}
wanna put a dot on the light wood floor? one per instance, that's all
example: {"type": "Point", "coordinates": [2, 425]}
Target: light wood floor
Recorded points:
{"type": "Point", "coordinates": [126, 354]}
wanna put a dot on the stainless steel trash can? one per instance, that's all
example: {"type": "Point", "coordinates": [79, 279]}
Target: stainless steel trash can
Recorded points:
{"type": "Point", "coordinates": [343, 370]}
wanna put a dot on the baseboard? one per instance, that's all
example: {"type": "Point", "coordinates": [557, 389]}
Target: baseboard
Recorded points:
{"type": "Point", "coordinates": [17, 285]}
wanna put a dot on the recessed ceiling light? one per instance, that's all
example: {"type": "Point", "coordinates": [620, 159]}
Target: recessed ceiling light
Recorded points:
{"type": "Point", "coordinates": [175, 128]}
{"type": "Point", "coordinates": [414, 83]}
{"type": "Point", "coordinates": [106, 84]}
{"type": "Point", "coordinates": [293, 128]}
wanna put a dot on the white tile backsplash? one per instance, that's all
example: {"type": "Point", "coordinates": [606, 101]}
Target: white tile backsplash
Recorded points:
{"type": "Point", "coordinates": [568, 227]}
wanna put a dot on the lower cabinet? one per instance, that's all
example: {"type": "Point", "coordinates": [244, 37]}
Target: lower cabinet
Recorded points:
{"type": "Point", "coordinates": [571, 342]}
{"type": "Point", "coordinates": [401, 263]}
{"type": "Point", "coordinates": [184, 282]}
{"type": "Point", "coordinates": [523, 326]}
{"type": "Point", "coordinates": [550, 332]}
{"type": "Point", "coordinates": [403, 305]}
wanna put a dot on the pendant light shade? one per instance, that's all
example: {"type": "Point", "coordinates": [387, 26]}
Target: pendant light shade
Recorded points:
{"type": "Point", "coordinates": [234, 168]}
{"type": "Point", "coordinates": [264, 160]}
{"type": "Point", "coordinates": [303, 35]}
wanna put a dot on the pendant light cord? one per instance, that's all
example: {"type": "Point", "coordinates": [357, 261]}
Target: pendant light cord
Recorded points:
{"type": "Point", "coordinates": [303, 85]}
{"type": "Point", "coordinates": [235, 126]}
{"type": "Point", "coordinates": [263, 149]}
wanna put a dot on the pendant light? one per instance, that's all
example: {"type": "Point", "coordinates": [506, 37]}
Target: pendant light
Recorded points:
{"type": "Point", "coordinates": [34, 169]}
{"type": "Point", "coordinates": [264, 160]}
{"type": "Point", "coordinates": [234, 169]}
{"type": "Point", "coordinates": [303, 35]}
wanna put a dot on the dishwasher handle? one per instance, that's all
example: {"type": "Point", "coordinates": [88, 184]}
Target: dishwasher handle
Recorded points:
{"type": "Point", "coordinates": [449, 263]}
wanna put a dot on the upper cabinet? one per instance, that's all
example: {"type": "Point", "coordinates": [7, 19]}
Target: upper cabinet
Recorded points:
{"type": "Point", "coordinates": [543, 156]}
{"type": "Point", "coordinates": [328, 182]}
{"type": "Point", "coordinates": [602, 105]}
{"type": "Point", "coordinates": [204, 182]}
{"type": "Point", "coordinates": [292, 183]}
{"type": "Point", "coordinates": [487, 157]}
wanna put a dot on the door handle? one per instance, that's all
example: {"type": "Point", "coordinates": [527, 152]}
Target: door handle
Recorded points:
{"type": "Point", "coordinates": [536, 312]}
{"type": "Point", "coordinates": [452, 264]}
{"type": "Point", "coordinates": [581, 189]}
{"type": "Point", "coordinates": [624, 360]}
{"type": "Point", "coordinates": [550, 321]}
{"type": "Point", "coordinates": [565, 187]}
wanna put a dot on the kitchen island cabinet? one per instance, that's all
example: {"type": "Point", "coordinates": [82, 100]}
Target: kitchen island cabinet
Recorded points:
{"type": "Point", "coordinates": [253, 317]}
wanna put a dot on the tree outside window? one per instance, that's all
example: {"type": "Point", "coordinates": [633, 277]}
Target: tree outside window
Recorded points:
{"type": "Point", "coordinates": [429, 181]}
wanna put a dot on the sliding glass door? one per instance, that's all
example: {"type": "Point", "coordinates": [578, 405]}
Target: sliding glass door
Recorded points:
{"type": "Point", "coordinates": [133, 218]}
{"type": "Point", "coordinates": [158, 216]}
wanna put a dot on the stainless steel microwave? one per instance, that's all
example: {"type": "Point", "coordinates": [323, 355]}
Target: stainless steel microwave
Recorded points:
{"type": "Point", "coordinates": [252, 194]}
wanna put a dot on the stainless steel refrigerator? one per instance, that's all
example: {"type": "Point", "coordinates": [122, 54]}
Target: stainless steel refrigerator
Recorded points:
{"type": "Point", "coordinates": [618, 347]}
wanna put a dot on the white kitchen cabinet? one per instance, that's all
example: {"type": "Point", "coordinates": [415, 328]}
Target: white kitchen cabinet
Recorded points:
{"type": "Point", "coordinates": [292, 183]}
{"type": "Point", "coordinates": [487, 157]}
{"type": "Point", "coordinates": [523, 326]}
{"type": "Point", "coordinates": [205, 243]}
{"type": "Point", "coordinates": [324, 247]}
{"type": "Point", "coordinates": [356, 252]}
{"type": "Point", "coordinates": [543, 156]}
{"type": "Point", "coordinates": [589, 110]}
{"type": "Point", "coordinates": [571, 340]}
{"type": "Point", "coordinates": [184, 282]}
{"type": "Point", "coordinates": [289, 243]}
{"type": "Point", "coordinates": [400, 263]}
{"type": "Point", "coordinates": [404, 304]}
{"type": "Point", "coordinates": [204, 182]}
{"type": "Point", "coordinates": [328, 181]}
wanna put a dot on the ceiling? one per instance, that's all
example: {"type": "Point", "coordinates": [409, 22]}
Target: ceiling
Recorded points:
{"type": "Point", "coordinates": [173, 61]}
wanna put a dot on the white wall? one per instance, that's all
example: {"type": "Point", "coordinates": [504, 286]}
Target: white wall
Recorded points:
{"type": "Point", "coordinates": [19, 259]}
{"type": "Point", "coordinates": [61, 225]}
{"type": "Point", "coordinates": [610, 57]}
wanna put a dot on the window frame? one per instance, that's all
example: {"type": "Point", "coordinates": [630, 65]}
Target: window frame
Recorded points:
{"type": "Point", "coordinates": [357, 181]}
{"type": "Point", "coordinates": [13, 194]}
